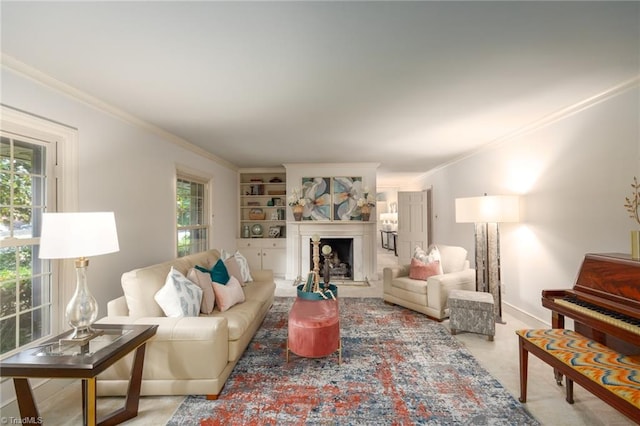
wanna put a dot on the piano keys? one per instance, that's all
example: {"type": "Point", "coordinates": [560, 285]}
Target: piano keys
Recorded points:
{"type": "Point", "coordinates": [604, 302]}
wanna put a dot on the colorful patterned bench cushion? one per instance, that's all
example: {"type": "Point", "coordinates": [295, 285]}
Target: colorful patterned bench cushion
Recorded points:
{"type": "Point", "coordinates": [620, 374]}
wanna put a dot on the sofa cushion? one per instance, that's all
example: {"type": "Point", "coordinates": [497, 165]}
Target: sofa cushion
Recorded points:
{"type": "Point", "coordinates": [203, 280]}
{"type": "Point", "coordinates": [179, 297]}
{"type": "Point", "coordinates": [243, 263]}
{"type": "Point", "coordinates": [453, 258]}
{"type": "Point", "coordinates": [228, 294]}
{"type": "Point", "coordinates": [421, 271]}
{"type": "Point", "coordinates": [140, 287]}
{"type": "Point", "coordinates": [234, 269]}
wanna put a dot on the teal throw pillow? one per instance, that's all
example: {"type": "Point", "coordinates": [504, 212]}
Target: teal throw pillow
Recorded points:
{"type": "Point", "coordinates": [203, 269]}
{"type": "Point", "coordinates": [219, 273]}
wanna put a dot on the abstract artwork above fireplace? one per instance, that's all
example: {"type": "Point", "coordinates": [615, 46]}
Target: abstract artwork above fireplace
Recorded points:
{"type": "Point", "coordinates": [346, 192]}
{"type": "Point", "coordinates": [318, 191]}
{"type": "Point", "coordinates": [332, 198]}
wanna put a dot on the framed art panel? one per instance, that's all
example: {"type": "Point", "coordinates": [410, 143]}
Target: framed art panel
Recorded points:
{"type": "Point", "coordinates": [317, 190]}
{"type": "Point", "coordinates": [346, 191]}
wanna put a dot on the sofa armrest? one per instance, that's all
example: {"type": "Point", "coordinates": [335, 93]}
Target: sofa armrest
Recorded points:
{"type": "Point", "coordinates": [438, 286]}
{"type": "Point", "coordinates": [262, 275]}
{"type": "Point", "coordinates": [118, 307]}
{"type": "Point", "coordinates": [389, 274]}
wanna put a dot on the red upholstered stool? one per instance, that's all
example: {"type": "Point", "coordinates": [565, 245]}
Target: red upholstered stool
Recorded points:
{"type": "Point", "coordinates": [314, 329]}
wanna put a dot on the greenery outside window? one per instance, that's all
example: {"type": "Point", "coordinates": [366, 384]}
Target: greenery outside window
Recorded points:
{"type": "Point", "coordinates": [26, 294]}
{"type": "Point", "coordinates": [192, 215]}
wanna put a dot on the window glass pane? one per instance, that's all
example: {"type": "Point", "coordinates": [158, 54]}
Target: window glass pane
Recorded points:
{"type": "Point", "coordinates": [34, 324]}
{"type": "Point", "coordinates": [7, 298]}
{"type": "Point", "coordinates": [7, 334]}
{"type": "Point", "coordinates": [5, 154]}
{"type": "Point", "coordinates": [22, 222]}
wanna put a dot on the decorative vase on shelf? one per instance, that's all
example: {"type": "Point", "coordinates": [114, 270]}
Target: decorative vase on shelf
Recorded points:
{"type": "Point", "coordinates": [635, 245]}
{"type": "Point", "coordinates": [366, 212]}
{"type": "Point", "coordinates": [297, 212]}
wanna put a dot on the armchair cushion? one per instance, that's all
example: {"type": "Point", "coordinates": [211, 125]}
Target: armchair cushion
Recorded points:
{"type": "Point", "coordinates": [453, 258]}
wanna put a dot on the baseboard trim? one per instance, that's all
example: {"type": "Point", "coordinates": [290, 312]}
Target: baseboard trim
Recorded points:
{"type": "Point", "coordinates": [524, 316]}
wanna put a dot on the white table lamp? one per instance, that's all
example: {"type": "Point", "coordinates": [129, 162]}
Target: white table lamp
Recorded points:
{"type": "Point", "coordinates": [79, 236]}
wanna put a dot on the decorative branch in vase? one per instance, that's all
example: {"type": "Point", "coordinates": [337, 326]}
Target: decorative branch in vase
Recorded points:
{"type": "Point", "coordinates": [632, 205]}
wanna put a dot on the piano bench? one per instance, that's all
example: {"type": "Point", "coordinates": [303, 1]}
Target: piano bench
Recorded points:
{"type": "Point", "coordinates": [609, 375]}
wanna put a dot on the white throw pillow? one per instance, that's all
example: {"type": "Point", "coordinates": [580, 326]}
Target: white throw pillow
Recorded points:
{"type": "Point", "coordinates": [243, 263]}
{"type": "Point", "coordinates": [229, 294]}
{"type": "Point", "coordinates": [203, 280]}
{"type": "Point", "coordinates": [179, 297]}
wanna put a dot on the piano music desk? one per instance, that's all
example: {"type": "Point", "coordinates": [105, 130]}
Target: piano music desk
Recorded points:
{"type": "Point", "coordinates": [609, 375]}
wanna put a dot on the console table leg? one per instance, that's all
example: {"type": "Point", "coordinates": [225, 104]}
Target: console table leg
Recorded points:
{"type": "Point", "coordinates": [130, 409]}
{"type": "Point", "coordinates": [26, 403]}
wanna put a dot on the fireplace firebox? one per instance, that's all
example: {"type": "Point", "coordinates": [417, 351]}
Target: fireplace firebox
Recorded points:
{"type": "Point", "coordinates": [341, 257]}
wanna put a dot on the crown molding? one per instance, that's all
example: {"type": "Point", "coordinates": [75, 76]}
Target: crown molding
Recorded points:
{"type": "Point", "coordinates": [544, 121]}
{"type": "Point", "coordinates": [12, 64]}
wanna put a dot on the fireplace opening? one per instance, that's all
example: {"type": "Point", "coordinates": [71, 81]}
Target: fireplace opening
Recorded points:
{"type": "Point", "coordinates": [340, 260]}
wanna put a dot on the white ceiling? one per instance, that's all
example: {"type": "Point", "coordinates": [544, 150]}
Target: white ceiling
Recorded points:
{"type": "Point", "coordinates": [409, 85]}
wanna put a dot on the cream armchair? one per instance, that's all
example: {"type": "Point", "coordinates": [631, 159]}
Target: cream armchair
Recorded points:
{"type": "Point", "coordinates": [430, 296]}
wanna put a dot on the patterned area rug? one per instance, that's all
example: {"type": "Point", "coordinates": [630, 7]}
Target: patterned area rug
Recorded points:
{"type": "Point", "coordinates": [398, 367]}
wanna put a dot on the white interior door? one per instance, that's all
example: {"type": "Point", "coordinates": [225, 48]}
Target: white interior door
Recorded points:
{"type": "Point", "coordinates": [413, 223]}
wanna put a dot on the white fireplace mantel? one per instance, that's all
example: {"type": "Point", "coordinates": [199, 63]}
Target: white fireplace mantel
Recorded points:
{"type": "Point", "coordinates": [299, 236]}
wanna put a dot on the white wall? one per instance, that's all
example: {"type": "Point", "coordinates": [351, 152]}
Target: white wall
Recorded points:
{"type": "Point", "coordinates": [573, 174]}
{"type": "Point", "coordinates": [129, 170]}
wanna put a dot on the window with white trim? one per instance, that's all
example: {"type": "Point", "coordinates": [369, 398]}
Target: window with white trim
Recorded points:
{"type": "Point", "coordinates": [27, 305]}
{"type": "Point", "coordinates": [192, 214]}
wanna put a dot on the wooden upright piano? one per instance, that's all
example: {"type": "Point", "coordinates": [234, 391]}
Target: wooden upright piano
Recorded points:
{"type": "Point", "coordinates": [604, 302]}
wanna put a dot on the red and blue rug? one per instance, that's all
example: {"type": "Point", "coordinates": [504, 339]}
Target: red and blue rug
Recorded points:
{"type": "Point", "coordinates": [398, 368]}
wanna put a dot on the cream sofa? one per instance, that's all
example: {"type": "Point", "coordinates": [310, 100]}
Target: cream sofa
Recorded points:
{"type": "Point", "coordinates": [191, 355]}
{"type": "Point", "coordinates": [430, 296]}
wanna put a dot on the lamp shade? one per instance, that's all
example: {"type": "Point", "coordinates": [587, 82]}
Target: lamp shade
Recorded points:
{"type": "Point", "coordinates": [74, 235]}
{"type": "Point", "coordinates": [495, 208]}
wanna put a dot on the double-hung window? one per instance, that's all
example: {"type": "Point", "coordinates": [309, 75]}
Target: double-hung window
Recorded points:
{"type": "Point", "coordinates": [27, 300]}
{"type": "Point", "coordinates": [192, 215]}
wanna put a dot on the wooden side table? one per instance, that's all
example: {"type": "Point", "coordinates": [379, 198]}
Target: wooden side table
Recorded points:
{"type": "Point", "coordinates": [57, 359]}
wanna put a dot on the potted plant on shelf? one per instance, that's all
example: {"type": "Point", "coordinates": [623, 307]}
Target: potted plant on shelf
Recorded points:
{"type": "Point", "coordinates": [297, 203]}
{"type": "Point", "coordinates": [366, 202]}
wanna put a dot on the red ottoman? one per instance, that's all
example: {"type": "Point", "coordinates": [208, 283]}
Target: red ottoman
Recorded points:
{"type": "Point", "coordinates": [314, 329]}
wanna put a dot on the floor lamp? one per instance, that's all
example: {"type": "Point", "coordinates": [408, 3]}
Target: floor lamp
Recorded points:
{"type": "Point", "coordinates": [486, 213]}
